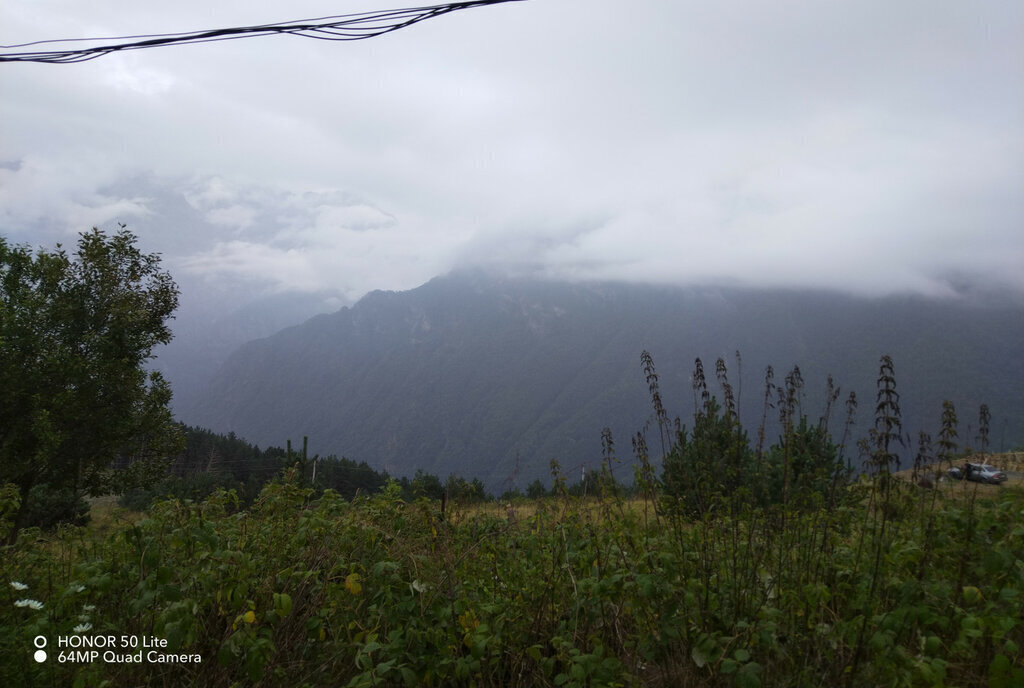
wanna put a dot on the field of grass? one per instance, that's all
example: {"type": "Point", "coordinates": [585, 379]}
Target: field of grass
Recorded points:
{"type": "Point", "coordinates": [892, 585]}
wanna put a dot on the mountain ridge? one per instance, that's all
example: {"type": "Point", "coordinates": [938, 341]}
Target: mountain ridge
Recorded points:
{"type": "Point", "coordinates": [492, 377]}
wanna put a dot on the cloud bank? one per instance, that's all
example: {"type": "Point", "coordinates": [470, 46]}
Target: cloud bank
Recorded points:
{"type": "Point", "coordinates": [864, 147]}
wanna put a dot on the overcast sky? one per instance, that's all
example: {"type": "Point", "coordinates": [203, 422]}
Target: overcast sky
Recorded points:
{"type": "Point", "coordinates": [874, 147]}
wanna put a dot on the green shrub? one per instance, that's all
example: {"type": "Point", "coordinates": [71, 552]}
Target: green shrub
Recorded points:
{"type": "Point", "coordinates": [48, 507]}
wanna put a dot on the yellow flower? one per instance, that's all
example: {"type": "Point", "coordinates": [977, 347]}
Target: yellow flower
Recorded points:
{"type": "Point", "coordinates": [971, 594]}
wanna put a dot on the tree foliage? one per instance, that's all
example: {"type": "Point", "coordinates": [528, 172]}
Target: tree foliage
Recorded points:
{"type": "Point", "coordinates": [76, 400]}
{"type": "Point", "coordinates": [715, 459]}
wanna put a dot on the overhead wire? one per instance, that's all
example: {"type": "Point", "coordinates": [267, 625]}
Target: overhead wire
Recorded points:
{"type": "Point", "coordinates": [343, 27]}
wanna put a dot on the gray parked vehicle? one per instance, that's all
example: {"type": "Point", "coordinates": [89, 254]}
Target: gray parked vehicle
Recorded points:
{"type": "Point", "coordinates": [978, 472]}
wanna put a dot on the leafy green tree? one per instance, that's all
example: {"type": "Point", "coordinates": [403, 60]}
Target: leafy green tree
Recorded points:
{"type": "Point", "coordinates": [78, 409]}
{"type": "Point", "coordinates": [589, 484]}
{"type": "Point", "coordinates": [465, 491]}
{"type": "Point", "coordinates": [513, 494]}
{"type": "Point", "coordinates": [348, 478]}
{"type": "Point", "coordinates": [803, 464]}
{"type": "Point", "coordinates": [536, 489]}
{"type": "Point", "coordinates": [707, 462]}
{"type": "Point", "coordinates": [426, 485]}
{"type": "Point", "coordinates": [715, 460]}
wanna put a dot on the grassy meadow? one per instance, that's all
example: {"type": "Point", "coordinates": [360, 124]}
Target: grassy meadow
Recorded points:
{"type": "Point", "coordinates": [890, 585]}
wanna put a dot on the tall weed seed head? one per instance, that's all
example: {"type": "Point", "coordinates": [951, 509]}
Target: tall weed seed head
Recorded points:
{"type": "Point", "coordinates": [700, 388]}
{"type": "Point", "coordinates": [608, 451]}
{"type": "Point", "coordinates": [851, 411]}
{"type": "Point", "coordinates": [831, 395]}
{"type": "Point", "coordinates": [984, 418]}
{"type": "Point", "coordinates": [922, 458]}
{"type": "Point", "coordinates": [723, 380]}
{"type": "Point", "coordinates": [739, 380]}
{"type": "Point", "coordinates": [769, 390]}
{"type": "Point", "coordinates": [651, 375]}
{"type": "Point", "coordinates": [790, 397]}
{"type": "Point", "coordinates": [947, 433]}
{"type": "Point", "coordinates": [887, 432]}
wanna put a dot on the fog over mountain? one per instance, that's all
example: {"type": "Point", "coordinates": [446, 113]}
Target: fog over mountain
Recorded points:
{"type": "Point", "coordinates": [871, 148]}
{"type": "Point", "coordinates": [492, 377]}
{"type": "Point", "coordinates": [848, 177]}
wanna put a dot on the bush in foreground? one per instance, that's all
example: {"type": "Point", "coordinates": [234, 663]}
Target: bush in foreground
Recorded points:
{"type": "Point", "coordinates": [583, 592]}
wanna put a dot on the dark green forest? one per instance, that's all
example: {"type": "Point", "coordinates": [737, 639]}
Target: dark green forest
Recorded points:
{"type": "Point", "coordinates": [212, 462]}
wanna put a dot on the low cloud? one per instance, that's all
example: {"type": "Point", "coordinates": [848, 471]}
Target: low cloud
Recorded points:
{"type": "Point", "coordinates": [874, 150]}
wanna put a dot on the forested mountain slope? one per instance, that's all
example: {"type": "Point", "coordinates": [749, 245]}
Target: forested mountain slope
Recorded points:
{"type": "Point", "coordinates": [493, 377]}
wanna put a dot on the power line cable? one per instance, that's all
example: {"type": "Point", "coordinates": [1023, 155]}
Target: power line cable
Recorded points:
{"type": "Point", "coordinates": [344, 27]}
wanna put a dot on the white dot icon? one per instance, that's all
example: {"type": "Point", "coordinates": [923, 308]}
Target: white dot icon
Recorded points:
{"type": "Point", "coordinates": [40, 656]}
{"type": "Point", "coordinates": [39, 641]}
